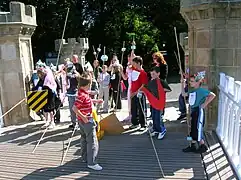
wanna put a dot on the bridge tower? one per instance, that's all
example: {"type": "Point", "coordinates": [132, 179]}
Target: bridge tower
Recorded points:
{"type": "Point", "coordinates": [214, 41]}
{"type": "Point", "coordinates": [16, 60]}
{"type": "Point", "coordinates": [73, 46]}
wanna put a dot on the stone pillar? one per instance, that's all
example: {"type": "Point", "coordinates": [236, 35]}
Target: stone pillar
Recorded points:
{"type": "Point", "coordinates": [73, 46]}
{"type": "Point", "coordinates": [16, 61]}
{"type": "Point", "coordinates": [214, 40]}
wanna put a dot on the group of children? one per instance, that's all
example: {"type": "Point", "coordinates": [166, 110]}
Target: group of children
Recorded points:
{"type": "Point", "coordinates": [82, 96]}
{"type": "Point", "coordinates": [199, 98]}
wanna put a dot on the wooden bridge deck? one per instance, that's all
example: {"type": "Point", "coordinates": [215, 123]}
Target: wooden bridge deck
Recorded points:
{"type": "Point", "coordinates": [129, 156]}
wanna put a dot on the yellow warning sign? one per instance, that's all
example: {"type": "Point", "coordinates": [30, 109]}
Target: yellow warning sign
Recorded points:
{"type": "Point", "coordinates": [37, 99]}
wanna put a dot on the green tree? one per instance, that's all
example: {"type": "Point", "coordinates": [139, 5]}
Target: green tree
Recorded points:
{"type": "Point", "coordinates": [155, 48]}
{"type": "Point", "coordinates": [51, 15]}
{"type": "Point", "coordinates": [107, 22]}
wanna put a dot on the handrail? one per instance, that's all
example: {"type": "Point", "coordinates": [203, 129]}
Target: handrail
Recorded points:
{"type": "Point", "coordinates": [229, 119]}
{"type": "Point", "coordinates": [12, 108]}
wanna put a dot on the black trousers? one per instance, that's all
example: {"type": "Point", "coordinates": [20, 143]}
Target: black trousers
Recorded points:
{"type": "Point", "coordinates": [197, 124]}
{"type": "Point", "coordinates": [116, 99]}
{"type": "Point", "coordinates": [58, 104]}
{"type": "Point", "coordinates": [136, 110]}
{"type": "Point", "coordinates": [57, 116]}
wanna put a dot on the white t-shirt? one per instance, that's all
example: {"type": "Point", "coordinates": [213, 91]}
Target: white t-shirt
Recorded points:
{"type": "Point", "coordinates": [129, 74]}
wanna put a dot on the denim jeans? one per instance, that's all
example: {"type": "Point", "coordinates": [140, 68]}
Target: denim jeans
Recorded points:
{"type": "Point", "coordinates": [157, 117]}
{"type": "Point", "coordinates": [71, 100]}
{"type": "Point", "coordinates": [89, 142]}
{"type": "Point", "coordinates": [182, 105]}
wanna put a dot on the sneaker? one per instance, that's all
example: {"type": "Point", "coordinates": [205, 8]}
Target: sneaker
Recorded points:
{"type": "Point", "coordinates": [143, 127]}
{"type": "Point", "coordinates": [191, 148]}
{"type": "Point", "coordinates": [51, 126]}
{"type": "Point", "coordinates": [83, 160]}
{"type": "Point", "coordinates": [202, 149]}
{"type": "Point", "coordinates": [162, 134]}
{"type": "Point", "coordinates": [181, 117]}
{"type": "Point", "coordinates": [153, 133]}
{"type": "Point", "coordinates": [71, 126]}
{"type": "Point", "coordinates": [134, 126]}
{"type": "Point", "coordinates": [42, 118]}
{"type": "Point", "coordinates": [57, 121]}
{"type": "Point", "coordinates": [105, 112]}
{"type": "Point", "coordinates": [183, 121]}
{"type": "Point", "coordinates": [149, 117]}
{"type": "Point", "coordinates": [96, 167]}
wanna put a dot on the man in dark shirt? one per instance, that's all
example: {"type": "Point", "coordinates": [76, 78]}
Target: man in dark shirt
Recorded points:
{"type": "Point", "coordinates": [72, 85]}
{"type": "Point", "coordinates": [77, 65]}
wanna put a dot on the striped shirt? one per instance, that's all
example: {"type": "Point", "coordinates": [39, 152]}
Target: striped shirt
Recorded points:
{"type": "Point", "coordinates": [83, 103]}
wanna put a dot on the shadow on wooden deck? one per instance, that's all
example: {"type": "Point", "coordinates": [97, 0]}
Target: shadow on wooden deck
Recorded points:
{"type": "Point", "coordinates": [129, 156]}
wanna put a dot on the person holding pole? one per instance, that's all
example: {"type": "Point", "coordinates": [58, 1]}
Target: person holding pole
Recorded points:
{"type": "Point", "coordinates": [156, 87]}
{"type": "Point", "coordinates": [181, 100]}
{"type": "Point", "coordinates": [199, 99]}
{"type": "Point", "coordinates": [83, 108]}
{"type": "Point", "coordinates": [139, 79]}
{"type": "Point", "coordinates": [104, 81]}
{"type": "Point", "coordinates": [72, 85]}
{"type": "Point", "coordinates": [128, 76]}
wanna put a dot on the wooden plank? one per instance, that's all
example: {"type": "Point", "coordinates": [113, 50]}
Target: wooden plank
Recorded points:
{"type": "Point", "coordinates": [215, 160]}
{"type": "Point", "coordinates": [128, 156]}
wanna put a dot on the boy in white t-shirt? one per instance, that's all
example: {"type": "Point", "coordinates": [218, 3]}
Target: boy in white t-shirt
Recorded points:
{"type": "Point", "coordinates": [104, 81]}
{"type": "Point", "coordinates": [128, 76]}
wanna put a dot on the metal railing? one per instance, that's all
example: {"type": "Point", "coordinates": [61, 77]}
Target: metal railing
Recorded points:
{"type": "Point", "coordinates": [229, 119]}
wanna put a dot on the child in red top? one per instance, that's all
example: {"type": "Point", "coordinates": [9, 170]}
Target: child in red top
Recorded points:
{"type": "Point", "coordinates": [139, 79]}
{"type": "Point", "coordinates": [83, 109]}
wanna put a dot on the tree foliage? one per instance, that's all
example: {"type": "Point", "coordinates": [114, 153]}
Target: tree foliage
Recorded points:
{"type": "Point", "coordinates": [107, 22]}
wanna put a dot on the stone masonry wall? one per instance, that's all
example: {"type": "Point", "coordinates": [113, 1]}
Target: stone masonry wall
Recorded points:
{"type": "Point", "coordinates": [16, 61]}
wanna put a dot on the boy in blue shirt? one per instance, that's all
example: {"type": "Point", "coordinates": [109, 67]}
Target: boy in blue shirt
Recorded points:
{"type": "Point", "coordinates": [199, 98]}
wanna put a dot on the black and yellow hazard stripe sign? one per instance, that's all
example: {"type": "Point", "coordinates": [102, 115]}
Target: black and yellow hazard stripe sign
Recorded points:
{"type": "Point", "coordinates": [37, 99]}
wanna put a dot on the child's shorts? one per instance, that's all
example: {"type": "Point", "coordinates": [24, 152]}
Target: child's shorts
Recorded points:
{"type": "Point", "coordinates": [197, 123]}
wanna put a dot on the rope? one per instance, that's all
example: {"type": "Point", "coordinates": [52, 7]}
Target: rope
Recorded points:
{"type": "Point", "coordinates": [41, 138]}
{"type": "Point", "coordinates": [61, 43]}
{"type": "Point", "coordinates": [70, 140]}
{"type": "Point", "coordinates": [152, 142]}
{"type": "Point", "coordinates": [181, 71]}
{"type": "Point", "coordinates": [12, 108]}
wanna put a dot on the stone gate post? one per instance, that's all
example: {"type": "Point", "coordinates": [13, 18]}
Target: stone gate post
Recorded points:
{"type": "Point", "coordinates": [16, 61]}
{"type": "Point", "coordinates": [214, 39]}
